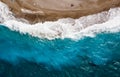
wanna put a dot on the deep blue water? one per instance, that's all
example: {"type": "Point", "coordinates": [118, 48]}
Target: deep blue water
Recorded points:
{"type": "Point", "coordinates": [22, 55]}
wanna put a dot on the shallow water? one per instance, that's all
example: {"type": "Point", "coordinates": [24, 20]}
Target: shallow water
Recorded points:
{"type": "Point", "coordinates": [22, 55]}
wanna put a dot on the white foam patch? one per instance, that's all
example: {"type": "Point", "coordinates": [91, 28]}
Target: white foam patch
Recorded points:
{"type": "Point", "coordinates": [5, 14]}
{"type": "Point", "coordinates": [108, 21]}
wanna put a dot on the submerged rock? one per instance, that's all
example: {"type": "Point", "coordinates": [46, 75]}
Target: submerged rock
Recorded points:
{"type": "Point", "coordinates": [42, 10]}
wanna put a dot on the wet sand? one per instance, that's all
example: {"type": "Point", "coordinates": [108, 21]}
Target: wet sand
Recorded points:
{"type": "Point", "coordinates": [43, 10]}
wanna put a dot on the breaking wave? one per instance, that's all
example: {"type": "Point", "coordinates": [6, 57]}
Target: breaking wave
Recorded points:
{"type": "Point", "coordinates": [15, 47]}
{"type": "Point", "coordinates": [108, 21]}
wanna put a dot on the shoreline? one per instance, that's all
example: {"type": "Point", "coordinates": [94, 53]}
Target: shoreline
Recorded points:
{"type": "Point", "coordinates": [74, 29]}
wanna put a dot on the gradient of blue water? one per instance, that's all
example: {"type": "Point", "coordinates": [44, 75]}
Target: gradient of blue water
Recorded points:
{"type": "Point", "coordinates": [99, 51]}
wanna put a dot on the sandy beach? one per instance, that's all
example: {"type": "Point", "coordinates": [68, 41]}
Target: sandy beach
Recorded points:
{"type": "Point", "coordinates": [43, 10]}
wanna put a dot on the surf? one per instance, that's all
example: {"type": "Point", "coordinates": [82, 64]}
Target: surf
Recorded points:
{"type": "Point", "coordinates": [57, 53]}
{"type": "Point", "coordinates": [64, 28]}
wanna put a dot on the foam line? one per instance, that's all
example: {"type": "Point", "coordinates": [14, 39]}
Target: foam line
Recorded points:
{"type": "Point", "coordinates": [108, 21]}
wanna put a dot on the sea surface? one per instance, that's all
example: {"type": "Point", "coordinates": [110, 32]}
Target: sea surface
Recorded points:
{"type": "Point", "coordinates": [22, 55]}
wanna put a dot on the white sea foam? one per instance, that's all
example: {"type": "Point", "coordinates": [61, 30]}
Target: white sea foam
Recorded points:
{"type": "Point", "coordinates": [108, 21]}
{"type": "Point", "coordinates": [5, 14]}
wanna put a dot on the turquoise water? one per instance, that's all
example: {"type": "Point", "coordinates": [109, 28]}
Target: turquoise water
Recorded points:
{"type": "Point", "coordinates": [22, 55]}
